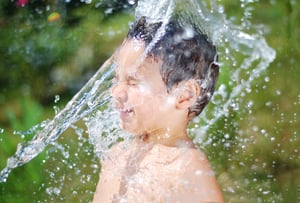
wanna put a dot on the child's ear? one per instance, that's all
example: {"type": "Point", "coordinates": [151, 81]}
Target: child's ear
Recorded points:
{"type": "Point", "coordinates": [187, 93]}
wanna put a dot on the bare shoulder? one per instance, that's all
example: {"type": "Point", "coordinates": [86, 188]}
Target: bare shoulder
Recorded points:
{"type": "Point", "coordinates": [120, 147]}
{"type": "Point", "coordinates": [200, 176]}
{"type": "Point", "coordinates": [197, 159]}
{"type": "Point", "coordinates": [117, 151]}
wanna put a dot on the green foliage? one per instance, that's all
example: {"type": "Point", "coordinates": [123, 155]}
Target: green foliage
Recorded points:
{"type": "Point", "coordinates": [21, 116]}
{"type": "Point", "coordinates": [34, 48]}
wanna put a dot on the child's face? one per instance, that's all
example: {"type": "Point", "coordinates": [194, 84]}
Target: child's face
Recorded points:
{"type": "Point", "coordinates": [139, 93]}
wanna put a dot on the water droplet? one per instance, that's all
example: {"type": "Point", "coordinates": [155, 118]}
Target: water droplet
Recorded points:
{"type": "Point", "coordinates": [268, 103]}
{"type": "Point", "coordinates": [56, 110]}
{"type": "Point", "coordinates": [56, 98]}
{"type": "Point", "coordinates": [267, 79]}
{"type": "Point", "coordinates": [278, 92]}
{"type": "Point", "coordinates": [131, 2]}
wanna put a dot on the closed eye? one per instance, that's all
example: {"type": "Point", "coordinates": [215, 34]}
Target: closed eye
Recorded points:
{"type": "Point", "coordinates": [132, 81]}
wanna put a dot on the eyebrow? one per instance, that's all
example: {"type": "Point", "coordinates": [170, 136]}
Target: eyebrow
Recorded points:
{"type": "Point", "coordinates": [130, 76]}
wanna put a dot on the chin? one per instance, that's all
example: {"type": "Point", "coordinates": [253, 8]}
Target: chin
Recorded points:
{"type": "Point", "coordinates": [127, 128]}
{"type": "Point", "coordinates": [133, 131]}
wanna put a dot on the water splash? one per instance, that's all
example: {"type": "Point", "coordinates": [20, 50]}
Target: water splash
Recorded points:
{"type": "Point", "coordinates": [257, 55]}
{"type": "Point", "coordinates": [95, 96]}
{"type": "Point", "coordinates": [92, 96]}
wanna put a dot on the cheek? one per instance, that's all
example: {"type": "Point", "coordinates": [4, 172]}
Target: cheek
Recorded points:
{"type": "Point", "coordinates": [141, 94]}
{"type": "Point", "coordinates": [166, 104]}
{"type": "Point", "coordinates": [145, 101]}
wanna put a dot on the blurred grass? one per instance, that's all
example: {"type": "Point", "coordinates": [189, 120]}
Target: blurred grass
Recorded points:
{"type": "Point", "coordinates": [261, 164]}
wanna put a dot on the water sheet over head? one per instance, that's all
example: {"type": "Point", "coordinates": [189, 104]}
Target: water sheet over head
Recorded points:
{"type": "Point", "coordinates": [186, 12]}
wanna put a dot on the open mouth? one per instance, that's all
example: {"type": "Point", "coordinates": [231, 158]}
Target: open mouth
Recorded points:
{"type": "Point", "coordinates": [125, 113]}
{"type": "Point", "coordinates": [129, 110]}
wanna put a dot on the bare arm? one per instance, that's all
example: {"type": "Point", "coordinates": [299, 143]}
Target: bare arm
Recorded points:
{"type": "Point", "coordinates": [107, 186]}
{"type": "Point", "coordinates": [110, 176]}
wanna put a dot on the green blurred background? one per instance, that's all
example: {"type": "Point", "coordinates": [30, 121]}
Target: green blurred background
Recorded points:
{"type": "Point", "coordinates": [52, 47]}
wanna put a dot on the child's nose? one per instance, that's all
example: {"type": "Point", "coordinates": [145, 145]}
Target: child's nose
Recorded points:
{"type": "Point", "coordinates": [118, 92]}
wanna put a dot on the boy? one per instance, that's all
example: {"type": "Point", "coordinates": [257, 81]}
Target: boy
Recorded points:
{"type": "Point", "coordinates": [161, 84]}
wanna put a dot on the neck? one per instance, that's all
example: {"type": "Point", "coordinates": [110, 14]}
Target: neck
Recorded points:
{"type": "Point", "coordinates": [167, 138]}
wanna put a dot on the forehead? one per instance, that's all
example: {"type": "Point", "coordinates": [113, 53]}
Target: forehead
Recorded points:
{"type": "Point", "coordinates": [131, 59]}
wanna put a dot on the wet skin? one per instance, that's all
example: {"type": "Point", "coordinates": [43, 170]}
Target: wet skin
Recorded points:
{"type": "Point", "coordinates": [145, 105]}
{"type": "Point", "coordinates": [161, 164]}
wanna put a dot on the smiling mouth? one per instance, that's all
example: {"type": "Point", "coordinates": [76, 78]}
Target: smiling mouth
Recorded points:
{"type": "Point", "coordinates": [125, 113]}
{"type": "Point", "coordinates": [129, 110]}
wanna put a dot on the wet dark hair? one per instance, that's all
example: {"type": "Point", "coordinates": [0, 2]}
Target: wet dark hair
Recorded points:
{"type": "Point", "coordinates": [186, 53]}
